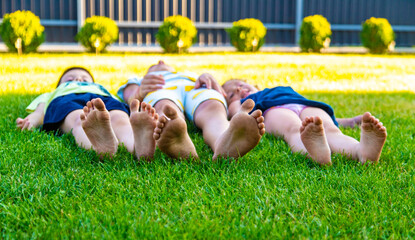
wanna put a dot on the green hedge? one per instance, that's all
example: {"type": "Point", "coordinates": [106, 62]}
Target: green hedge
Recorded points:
{"type": "Point", "coordinates": [176, 34]}
{"type": "Point", "coordinates": [247, 35]}
{"type": "Point", "coordinates": [315, 34]}
{"type": "Point", "coordinates": [24, 25]}
{"type": "Point", "coordinates": [97, 33]}
{"type": "Point", "coordinates": [377, 35]}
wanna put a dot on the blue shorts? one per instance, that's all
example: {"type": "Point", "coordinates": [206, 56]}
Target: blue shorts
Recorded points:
{"type": "Point", "coordinates": [60, 107]}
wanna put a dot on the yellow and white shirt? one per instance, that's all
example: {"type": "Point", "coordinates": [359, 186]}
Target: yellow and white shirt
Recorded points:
{"type": "Point", "coordinates": [178, 88]}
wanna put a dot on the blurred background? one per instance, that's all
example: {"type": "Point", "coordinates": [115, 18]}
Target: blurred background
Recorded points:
{"type": "Point", "coordinates": [138, 20]}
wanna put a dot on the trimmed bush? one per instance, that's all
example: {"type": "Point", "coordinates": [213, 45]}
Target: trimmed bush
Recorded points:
{"type": "Point", "coordinates": [247, 35]}
{"type": "Point", "coordinates": [24, 25]}
{"type": "Point", "coordinates": [377, 35]}
{"type": "Point", "coordinates": [176, 34]}
{"type": "Point", "coordinates": [97, 33]}
{"type": "Point", "coordinates": [315, 34]}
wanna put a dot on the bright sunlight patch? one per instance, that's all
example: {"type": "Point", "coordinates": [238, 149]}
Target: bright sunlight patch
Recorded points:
{"type": "Point", "coordinates": [39, 73]}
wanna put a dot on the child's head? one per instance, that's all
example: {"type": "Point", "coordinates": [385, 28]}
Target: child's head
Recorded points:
{"type": "Point", "coordinates": [78, 74]}
{"type": "Point", "coordinates": [236, 89]}
{"type": "Point", "coordinates": [160, 66]}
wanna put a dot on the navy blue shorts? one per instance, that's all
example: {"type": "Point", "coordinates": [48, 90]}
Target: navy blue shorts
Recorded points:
{"type": "Point", "coordinates": [60, 107]}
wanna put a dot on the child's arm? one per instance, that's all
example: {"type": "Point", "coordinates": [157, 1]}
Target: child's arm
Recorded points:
{"type": "Point", "coordinates": [33, 120]}
{"type": "Point", "coordinates": [149, 84]}
{"type": "Point", "coordinates": [208, 81]}
{"type": "Point", "coordinates": [233, 108]}
{"type": "Point", "coordinates": [131, 92]}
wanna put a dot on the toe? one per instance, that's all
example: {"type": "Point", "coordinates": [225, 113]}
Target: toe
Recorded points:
{"type": "Point", "coordinates": [147, 108]}
{"type": "Point", "coordinates": [256, 114]}
{"type": "Point", "coordinates": [144, 107]}
{"type": "Point", "coordinates": [260, 119]}
{"type": "Point", "coordinates": [162, 120]}
{"type": "Point", "coordinates": [99, 104]}
{"type": "Point", "coordinates": [134, 105]}
{"type": "Point", "coordinates": [248, 105]}
{"type": "Point", "coordinates": [318, 121]}
{"type": "Point", "coordinates": [170, 112]}
{"type": "Point", "coordinates": [89, 105]}
{"type": "Point", "coordinates": [160, 124]}
{"type": "Point", "coordinates": [366, 117]}
{"type": "Point", "coordinates": [86, 110]}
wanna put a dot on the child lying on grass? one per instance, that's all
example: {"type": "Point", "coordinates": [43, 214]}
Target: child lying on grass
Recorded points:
{"type": "Point", "coordinates": [93, 116]}
{"type": "Point", "coordinates": [174, 95]}
{"type": "Point", "coordinates": [307, 126]}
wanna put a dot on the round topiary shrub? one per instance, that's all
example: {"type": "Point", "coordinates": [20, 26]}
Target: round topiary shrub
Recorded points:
{"type": "Point", "coordinates": [176, 34]}
{"type": "Point", "coordinates": [22, 29]}
{"type": "Point", "coordinates": [315, 34]}
{"type": "Point", "coordinates": [97, 33]}
{"type": "Point", "coordinates": [377, 35]}
{"type": "Point", "coordinates": [247, 35]}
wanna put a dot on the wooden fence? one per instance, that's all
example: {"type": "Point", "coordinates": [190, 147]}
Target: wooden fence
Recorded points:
{"type": "Point", "coordinates": [139, 20]}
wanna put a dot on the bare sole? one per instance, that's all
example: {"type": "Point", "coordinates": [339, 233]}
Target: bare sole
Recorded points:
{"type": "Point", "coordinates": [171, 135]}
{"type": "Point", "coordinates": [97, 126]}
{"type": "Point", "coordinates": [244, 132]}
{"type": "Point", "coordinates": [315, 141]}
{"type": "Point", "coordinates": [372, 139]}
{"type": "Point", "coordinates": [143, 123]}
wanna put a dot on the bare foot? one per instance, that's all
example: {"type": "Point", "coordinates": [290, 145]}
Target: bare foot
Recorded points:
{"type": "Point", "coordinates": [172, 137]}
{"type": "Point", "coordinates": [97, 126]}
{"type": "Point", "coordinates": [314, 140]}
{"type": "Point", "coordinates": [372, 139]}
{"type": "Point", "coordinates": [350, 122]}
{"type": "Point", "coordinates": [143, 123]}
{"type": "Point", "coordinates": [243, 134]}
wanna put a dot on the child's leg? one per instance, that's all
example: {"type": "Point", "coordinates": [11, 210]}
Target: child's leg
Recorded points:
{"type": "Point", "coordinates": [350, 122]}
{"type": "Point", "coordinates": [285, 123]}
{"type": "Point", "coordinates": [337, 141]}
{"type": "Point", "coordinates": [211, 117]}
{"type": "Point", "coordinates": [91, 128]}
{"type": "Point", "coordinates": [120, 122]}
{"type": "Point", "coordinates": [171, 131]}
{"type": "Point", "coordinates": [372, 139]}
{"type": "Point", "coordinates": [282, 122]}
{"type": "Point", "coordinates": [96, 122]}
{"type": "Point", "coordinates": [72, 124]}
{"type": "Point", "coordinates": [229, 139]}
{"type": "Point", "coordinates": [373, 136]}
{"type": "Point", "coordinates": [160, 105]}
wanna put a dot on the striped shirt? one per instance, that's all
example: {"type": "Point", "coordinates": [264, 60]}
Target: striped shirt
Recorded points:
{"type": "Point", "coordinates": [66, 89]}
{"type": "Point", "coordinates": [170, 78]}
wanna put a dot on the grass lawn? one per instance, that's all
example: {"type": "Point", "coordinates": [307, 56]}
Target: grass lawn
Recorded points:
{"type": "Point", "coordinates": [50, 188]}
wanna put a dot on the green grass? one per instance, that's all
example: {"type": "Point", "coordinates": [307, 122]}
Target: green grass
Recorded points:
{"type": "Point", "coordinates": [50, 188]}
